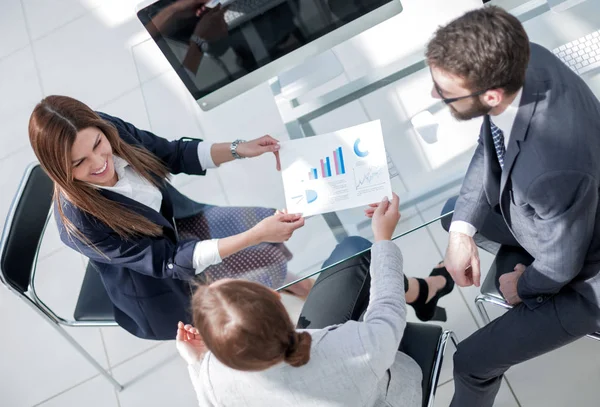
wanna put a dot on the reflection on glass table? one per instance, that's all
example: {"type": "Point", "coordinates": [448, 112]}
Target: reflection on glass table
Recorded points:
{"type": "Point", "coordinates": [352, 250]}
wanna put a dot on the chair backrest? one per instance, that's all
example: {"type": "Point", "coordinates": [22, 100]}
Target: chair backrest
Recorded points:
{"type": "Point", "coordinates": [420, 342]}
{"type": "Point", "coordinates": [24, 228]}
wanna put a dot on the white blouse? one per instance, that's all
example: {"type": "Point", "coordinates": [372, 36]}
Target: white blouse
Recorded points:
{"type": "Point", "coordinates": [132, 185]}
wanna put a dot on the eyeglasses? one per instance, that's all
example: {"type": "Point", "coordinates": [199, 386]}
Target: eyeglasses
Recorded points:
{"type": "Point", "coordinates": [452, 100]}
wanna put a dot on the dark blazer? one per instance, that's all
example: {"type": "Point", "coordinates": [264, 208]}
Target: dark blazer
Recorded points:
{"type": "Point", "coordinates": [548, 189]}
{"type": "Point", "coordinates": [146, 278]}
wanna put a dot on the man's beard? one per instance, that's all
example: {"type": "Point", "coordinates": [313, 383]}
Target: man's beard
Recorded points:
{"type": "Point", "coordinates": [477, 109]}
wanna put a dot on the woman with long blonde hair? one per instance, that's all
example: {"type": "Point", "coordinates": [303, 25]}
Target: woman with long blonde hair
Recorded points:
{"type": "Point", "coordinates": [114, 204]}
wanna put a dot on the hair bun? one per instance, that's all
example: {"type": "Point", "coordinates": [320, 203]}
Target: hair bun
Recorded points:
{"type": "Point", "coordinates": [298, 352]}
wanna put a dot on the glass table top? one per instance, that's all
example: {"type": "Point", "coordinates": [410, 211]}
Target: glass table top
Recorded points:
{"type": "Point", "coordinates": [428, 151]}
{"type": "Point", "coordinates": [427, 165]}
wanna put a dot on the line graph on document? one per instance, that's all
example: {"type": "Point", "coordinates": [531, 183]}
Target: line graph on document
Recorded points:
{"type": "Point", "coordinates": [368, 176]}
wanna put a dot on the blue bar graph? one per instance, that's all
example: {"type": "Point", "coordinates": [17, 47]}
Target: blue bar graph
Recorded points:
{"type": "Point", "coordinates": [341, 158]}
{"type": "Point", "coordinates": [325, 170]}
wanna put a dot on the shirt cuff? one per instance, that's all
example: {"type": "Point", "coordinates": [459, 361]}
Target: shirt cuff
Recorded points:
{"type": "Point", "coordinates": [204, 156]}
{"type": "Point", "coordinates": [463, 227]}
{"type": "Point", "coordinates": [206, 253]}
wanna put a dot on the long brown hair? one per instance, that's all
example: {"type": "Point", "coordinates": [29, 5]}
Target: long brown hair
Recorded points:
{"type": "Point", "coordinates": [245, 325]}
{"type": "Point", "coordinates": [53, 128]}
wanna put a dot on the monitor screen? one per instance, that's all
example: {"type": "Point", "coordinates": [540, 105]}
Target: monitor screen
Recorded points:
{"type": "Point", "coordinates": [212, 44]}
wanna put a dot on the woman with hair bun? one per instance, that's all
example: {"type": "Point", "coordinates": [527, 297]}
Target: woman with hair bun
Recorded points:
{"type": "Point", "coordinates": [244, 351]}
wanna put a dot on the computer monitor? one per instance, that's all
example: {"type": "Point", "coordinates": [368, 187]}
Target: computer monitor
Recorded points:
{"type": "Point", "coordinates": [222, 52]}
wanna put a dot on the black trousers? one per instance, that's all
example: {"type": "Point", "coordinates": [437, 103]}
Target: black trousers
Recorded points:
{"type": "Point", "coordinates": [519, 335]}
{"type": "Point", "coordinates": [341, 293]}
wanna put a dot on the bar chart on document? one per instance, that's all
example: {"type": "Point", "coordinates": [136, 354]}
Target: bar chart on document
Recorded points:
{"type": "Point", "coordinates": [335, 171]}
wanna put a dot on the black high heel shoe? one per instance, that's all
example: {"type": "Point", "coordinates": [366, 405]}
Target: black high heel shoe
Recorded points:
{"type": "Point", "coordinates": [429, 311]}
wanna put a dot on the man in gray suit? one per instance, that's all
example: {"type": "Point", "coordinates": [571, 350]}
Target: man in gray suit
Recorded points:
{"type": "Point", "coordinates": [533, 182]}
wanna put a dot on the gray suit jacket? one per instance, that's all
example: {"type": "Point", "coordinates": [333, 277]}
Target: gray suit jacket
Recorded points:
{"type": "Point", "coordinates": [353, 364]}
{"type": "Point", "coordinates": [548, 189]}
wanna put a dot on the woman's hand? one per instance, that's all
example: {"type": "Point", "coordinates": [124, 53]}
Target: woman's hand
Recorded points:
{"type": "Point", "coordinates": [189, 344]}
{"type": "Point", "coordinates": [277, 228]}
{"type": "Point", "coordinates": [385, 217]}
{"type": "Point", "coordinates": [259, 146]}
{"type": "Point", "coordinates": [188, 8]}
{"type": "Point", "coordinates": [212, 25]}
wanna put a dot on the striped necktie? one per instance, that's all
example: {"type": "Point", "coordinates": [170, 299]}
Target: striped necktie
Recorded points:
{"type": "Point", "coordinates": [498, 137]}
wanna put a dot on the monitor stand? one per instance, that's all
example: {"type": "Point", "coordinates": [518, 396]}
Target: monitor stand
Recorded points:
{"type": "Point", "coordinates": [562, 5]}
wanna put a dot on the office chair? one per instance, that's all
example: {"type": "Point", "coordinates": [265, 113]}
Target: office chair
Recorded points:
{"type": "Point", "coordinates": [426, 345]}
{"type": "Point", "coordinates": [505, 261]}
{"type": "Point", "coordinates": [19, 246]}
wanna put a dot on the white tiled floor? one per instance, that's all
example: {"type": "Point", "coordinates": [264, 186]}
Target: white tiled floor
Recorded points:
{"type": "Point", "coordinates": [21, 93]}
{"type": "Point", "coordinates": [504, 398]}
{"type": "Point", "coordinates": [145, 378]}
{"type": "Point", "coordinates": [13, 27]}
{"type": "Point", "coordinates": [96, 51]}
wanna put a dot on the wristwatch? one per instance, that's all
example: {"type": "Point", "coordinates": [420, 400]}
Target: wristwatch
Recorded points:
{"type": "Point", "coordinates": [233, 149]}
{"type": "Point", "coordinates": [200, 42]}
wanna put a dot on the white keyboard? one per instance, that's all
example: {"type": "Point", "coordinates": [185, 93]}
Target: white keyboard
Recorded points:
{"type": "Point", "coordinates": [581, 55]}
{"type": "Point", "coordinates": [240, 8]}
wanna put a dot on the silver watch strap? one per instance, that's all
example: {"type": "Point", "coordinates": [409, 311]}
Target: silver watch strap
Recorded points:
{"type": "Point", "coordinates": [200, 42]}
{"type": "Point", "coordinates": [233, 149]}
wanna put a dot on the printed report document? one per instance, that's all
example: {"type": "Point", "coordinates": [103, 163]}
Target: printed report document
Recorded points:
{"type": "Point", "coordinates": [331, 172]}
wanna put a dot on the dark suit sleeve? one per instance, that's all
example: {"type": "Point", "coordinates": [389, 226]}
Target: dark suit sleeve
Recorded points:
{"type": "Point", "coordinates": [180, 156]}
{"type": "Point", "coordinates": [564, 205]}
{"type": "Point", "coordinates": [472, 205]}
{"type": "Point", "coordinates": [157, 257]}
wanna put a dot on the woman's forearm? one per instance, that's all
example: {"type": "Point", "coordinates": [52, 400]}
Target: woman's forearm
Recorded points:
{"type": "Point", "coordinates": [385, 318]}
{"type": "Point", "coordinates": [386, 264]}
{"type": "Point", "coordinates": [387, 303]}
{"type": "Point", "coordinates": [160, 23]}
{"type": "Point", "coordinates": [192, 59]}
{"type": "Point", "coordinates": [233, 244]}
{"type": "Point", "coordinates": [213, 251]}
{"type": "Point", "coordinates": [221, 153]}
{"type": "Point", "coordinates": [195, 371]}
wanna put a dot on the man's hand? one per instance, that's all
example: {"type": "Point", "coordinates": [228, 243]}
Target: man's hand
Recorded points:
{"type": "Point", "coordinates": [508, 284]}
{"type": "Point", "coordinates": [462, 260]}
{"type": "Point", "coordinates": [259, 146]}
